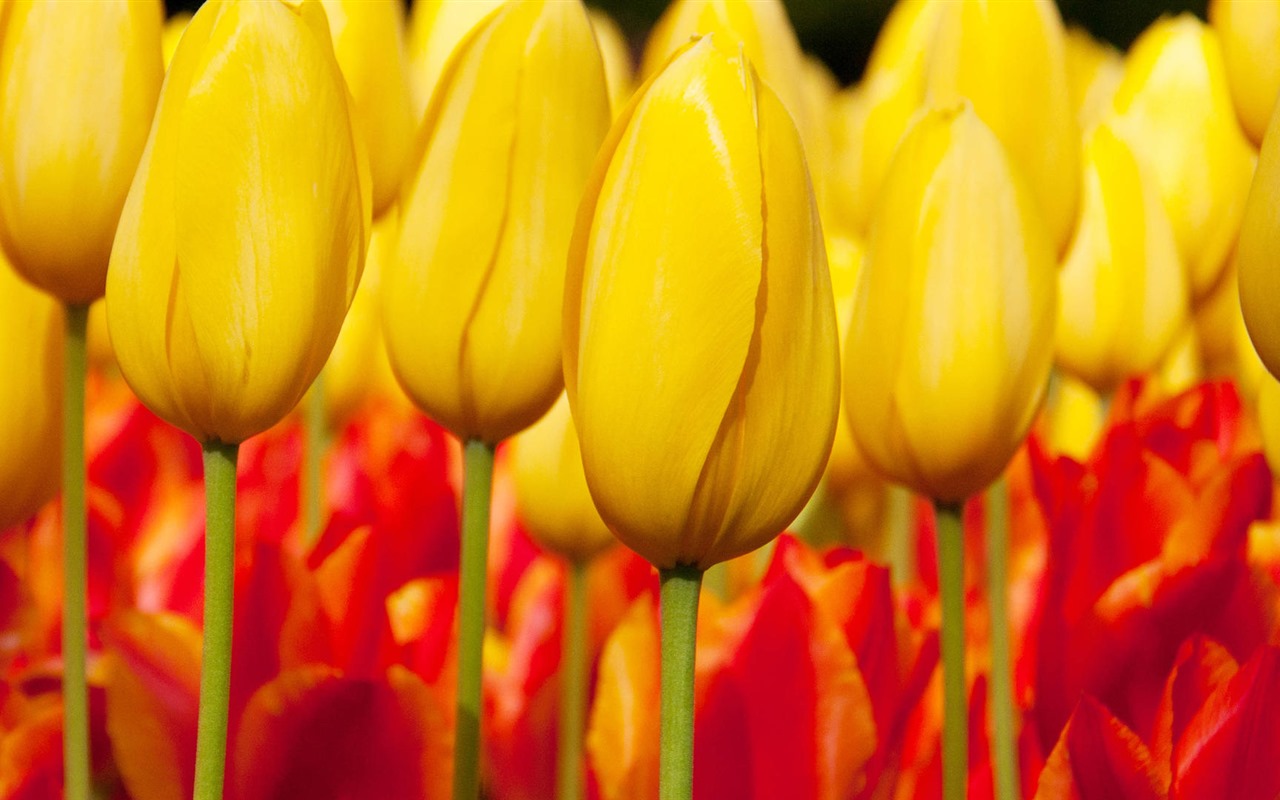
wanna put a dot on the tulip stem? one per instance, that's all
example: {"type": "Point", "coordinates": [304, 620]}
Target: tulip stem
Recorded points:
{"type": "Point", "coordinates": [901, 535]}
{"type": "Point", "coordinates": [219, 611]}
{"type": "Point", "coordinates": [679, 599]}
{"type": "Point", "coordinates": [955, 716]}
{"type": "Point", "coordinates": [75, 616]}
{"type": "Point", "coordinates": [477, 483]}
{"type": "Point", "coordinates": [1004, 733]}
{"type": "Point", "coordinates": [574, 677]}
{"type": "Point", "coordinates": [316, 435]}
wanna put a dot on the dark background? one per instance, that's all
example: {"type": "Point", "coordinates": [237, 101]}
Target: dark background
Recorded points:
{"type": "Point", "coordinates": [841, 32]}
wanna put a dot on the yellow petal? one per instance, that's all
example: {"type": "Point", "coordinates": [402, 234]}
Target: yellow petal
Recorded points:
{"type": "Point", "coordinates": [1094, 72]}
{"type": "Point", "coordinates": [622, 738]}
{"type": "Point", "coordinates": [619, 71]}
{"type": "Point", "coordinates": [1250, 30]}
{"type": "Point", "coordinates": [436, 27]}
{"type": "Point", "coordinates": [1256, 253]}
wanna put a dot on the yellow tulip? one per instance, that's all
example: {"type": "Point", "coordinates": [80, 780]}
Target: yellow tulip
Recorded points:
{"type": "Point", "coordinates": [701, 353]}
{"type": "Point", "coordinates": [1123, 292]}
{"type": "Point", "coordinates": [1256, 253]}
{"type": "Point", "coordinates": [435, 29]}
{"type": "Point", "coordinates": [78, 85]}
{"type": "Point", "coordinates": [846, 466]}
{"type": "Point", "coordinates": [1182, 367]}
{"type": "Point", "coordinates": [1075, 415]}
{"type": "Point", "coordinates": [1250, 34]}
{"type": "Point", "coordinates": [619, 71]}
{"type": "Point", "coordinates": [368, 39]}
{"type": "Point", "coordinates": [1009, 60]}
{"type": "Point", "coordinates": [1174, 109]}
{"type": "Point", "coordinates": [1094, 72]}
{"type": "Point", "coordinates": [30, 397]}
{"type": "Point", "coordinates": [551, 489]}
{"type": "Point", "coordinates": [98, 344]}
{"type": "Point", "coordinates": [172, 34]}
{"type": "Point", "coordinates": [952, 335]}
{"type": "Point", "coordinates": [1269, 421]}
{"type": "Point", "coordinates": [244, 234]}
{"type": "Point", "coordinates": [472, 305]}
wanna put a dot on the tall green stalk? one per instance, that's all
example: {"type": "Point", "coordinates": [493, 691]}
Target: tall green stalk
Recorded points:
{"type": "Point", "coordinates": [477, 484]}
{"type": "Point", "coordinates": [574, 677]}
{"type": "Point", "coordinates": [75, 615]}
{"type": "Point", "coordinates": [955, 716]}
{"type": "Point", "coordinates": [679, 599]}
{"type": "Point", "coordinates": [219, 611]}
{"type": "Point", "coordinates": [316, 441]}
{"type": "Point", "coordinates": [1004, 731]}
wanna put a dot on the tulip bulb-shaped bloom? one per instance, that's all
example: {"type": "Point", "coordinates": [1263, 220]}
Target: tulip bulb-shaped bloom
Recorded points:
{"type": "Point", "coordinates": [844, 256]}
{"type": "Point", "coordinates": [952, 334]}
{"type": "Point", "coordinates": [701, 355]}
{"type": "Point", "coordinates": [619, 71]}
{"type": "Point", "coordinates": [1123, 290]}
{"type": "Point", "coordinates": [473, 299]}
{"type": "Point", "coordinates": [1250, 35]}
{"type": "Point", "coordinates": [435, 29]}
{"type": "Point", "coordinates": [1094, 72]}
{"type": "Point", "coordinates": [1258, 253]}
{"type": "Point", "coordinates": [1174, 109]}
{"type": "Point", "coordinates": [78, 86]}
{"type": "Point", "coordinates": [368, 39]}
{"type": "Point", "coordinates": [30, 420]}
{"type": "Point", "coordinates": [174, 27]}
{"type": "Point", "coordinates": [244, 234]}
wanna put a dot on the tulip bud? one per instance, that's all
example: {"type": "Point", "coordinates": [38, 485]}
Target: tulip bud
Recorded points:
{"type": "Point", "coordinates": [701, 354]}
{"type": "Point", "coordinates": [1094, 72]}
{"type": "Point", "coordinates": [1250, 35]}
{"type": "Point", "coordinates": [551, 489]}
{"type": "Point", "coordinates": [174, 27]}
{"type": "Point", "coordinates": [1256, 253]}
{"type": "Point", "coordinates": [1123, 290]}
{"type": "Point", "coordinates": [368, 38]}
{"type": "Point", "coordinates": [1174, 110]}
{"type": "Point", "coordinates": [846, 465]}
{"type": "Point", "coordinates": [1182, 367]}
{"type": "Point", "coordinates": [952, 335]}
{"type": "Point", "coordinates": [30, 397]}
{"type": "Point", "coordinates": [435, 29]}
{"type": "Point", "coordinates": [1074, 418]}
{"type": "Point", "coordinates": [78, 86]}
{"type": "Point", "coordinates": [472, 311]}
{"type": "Point", "coordinates": [244, 234]}
{"type": "Point", "coordinates": [1009, 61]}
{"type": "Point", "coordinates": [619, 72]}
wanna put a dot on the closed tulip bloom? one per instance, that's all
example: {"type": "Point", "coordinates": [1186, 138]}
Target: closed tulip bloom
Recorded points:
{"type": "Point", "coordinates": [1123, 290]}
{"type": "Point", "coordinates": [472, 311]}
{"type": "Point", "coordinates": [952, 334]}
{"type": "Point", "coordinates": [1250, 35]}
{"type": "Point", "coordinates": [1094, 72]}
{"type": "Point", "coordinates": [1174, 110]}
{"type": "Point", "coordinates": [244, 233]}
{"type": "Point", "coordinates": [1256, 253]}
{"type": "Point", "coordinates": [701, 354]}
{"type": "Point", "coordinates": [551, 489]}
{"type": "Point", "coordinates": [368, 39]}
{"type": "Point", "coordinates": [846, 465]}
{"type": "Point", "coordinates": [435, 29]}
{"type": "Point", "coordinates": [619, 71]}
{"type": "Point", "coordinates": [174, 27]}
{"type": "Point", "coordinates": [30, 409]}
{"type": "Point", "coordinates": [78, 86]}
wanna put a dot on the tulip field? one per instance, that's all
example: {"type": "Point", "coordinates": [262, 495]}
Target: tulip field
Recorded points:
{"type": "Point", "coordinates": [482, 400]}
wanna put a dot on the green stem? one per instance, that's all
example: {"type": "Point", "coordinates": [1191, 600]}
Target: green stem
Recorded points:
{"type": "Point", "coordinates": [955, 717]}
{"type": "Point", "coordinates": [1004, 733]}
{"type": "Point", "coordinates": [477, 483]}
{"type": "Point", "coordinates": [75, 571]}
{"type": "Point", "coordinates": [316, 435]}
{"type": "Point", "coordinates": [574, 677]}
{"type": "Point", "coordinates": [901, 548]}
{"type": "Point", "coordinates": [219, 610]}
{"type": "Point", "coordinates": [679, 598]}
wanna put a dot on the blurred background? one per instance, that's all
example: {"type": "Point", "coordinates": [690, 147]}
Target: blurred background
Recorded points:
{"type": "Point", "coordinates": [841, 32]}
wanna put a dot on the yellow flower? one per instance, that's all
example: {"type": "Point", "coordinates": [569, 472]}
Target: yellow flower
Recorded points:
{"type": "Point", "coordinates": [435, 29]}
{"type": "Point", "coordinates": [30, 397]}
{"type": "Point", "coordinates": [1250, 34]}
{"type": "Point", "coordinates": [1123, 290]}
{"type": "Point", "coordinates": [1074, 417]}
{"type": "Point", "coordinates": [952, 334]}
{"type": "Point", "coordinates": [847, 466]}
{"type": "Point", "coordinates": [244, 234]}
{"type": "Point", "coordinates": [701, 354]}
{"type": "Point", "coordinates": [1269, 421]}
{"type": "Point", "coordinates": [174, 27]}
{"type": "Point", "coordinates": [619, 72]}
{"type": "Point", "coordinates": [551, 489]}
{"type": "Point", "coordinates": [1256, 253]}
{"type": "Point", "coordinates": [78, 85]}
{"type": "Point", "coordinates": [1094, 72]}
{"type": "Point", "coordinates": [368, 39]}
{"type": "Point", "coordinates": [472, 309]}
{"type": "Point", "coordinates": [1174, 110]}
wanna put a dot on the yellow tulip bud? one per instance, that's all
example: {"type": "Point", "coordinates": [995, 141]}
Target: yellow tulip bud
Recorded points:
{"type": "Point", "coordinates": [244, 234]}
{"type": "Point", "coordinates": [1009, 61]}
{"type": "Point", "coordinates": [1094, 72]}
{"type": "Point", "coordinates": [1174, 110]}
{"type": "Point", "coordinates": [551, 489]}
{"type": "Point", "coordinates": [30, 397]}
{"type": "Point", "coordinates": [846, 466]}
{"type": "Point", "coordinates": [472, 311]}
{"type": "Point", "coordinates": [78, 86]}
{"type": "Point", "coordinates": [1123, 292]}
{"type": "Point", "coordinates": [1075, 417]}
{"type": "Point", "coordinates": [435, 29]}
{"type": "Point", "coordinates": [1269, 421]}
{"type": "Point", "coordinates": [1250, 34]}
{"type": "Point", "coordinates": [1182, 367]}
{"type": "Point", "coordinates": [174, 27]}
{"type": "Point", "coordinates": [99, 350]}
{"type": "Point", "coordinates": [952, 335]}
{"type": "Point", "coordinates": [1256, 253]}
{"type": "Point", "coordinates": [619, 71]}
{"type": "Point", "coordinates": [368, 39]}
{"type": "Point", "coordinates": [701, 354]}
{"type": "Point", "coordinates": [906, 37]}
